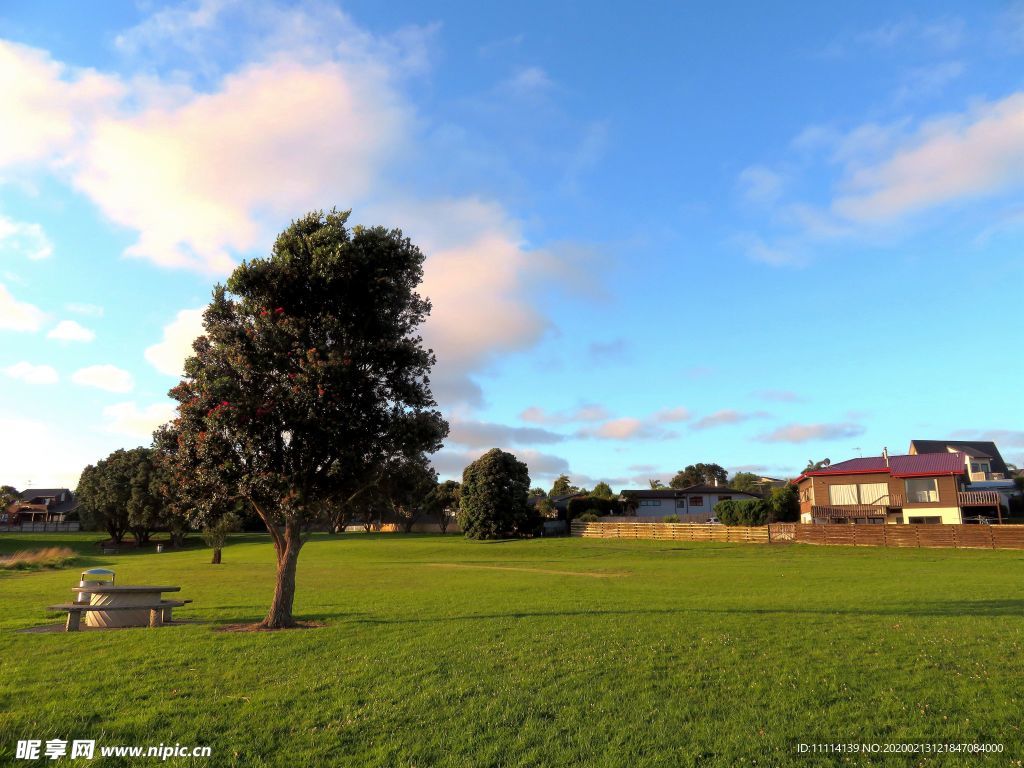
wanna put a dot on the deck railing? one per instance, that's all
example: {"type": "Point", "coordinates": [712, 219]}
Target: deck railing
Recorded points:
{"type": "Point", "coordinates": [978, 498]}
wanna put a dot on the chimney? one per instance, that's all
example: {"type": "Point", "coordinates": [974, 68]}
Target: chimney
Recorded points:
{"type": "Point", "coordinates": [885, 455]}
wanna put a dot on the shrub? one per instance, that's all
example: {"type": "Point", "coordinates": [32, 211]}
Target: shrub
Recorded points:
{"type": "Point", "coordinates": [784, 505]}
{"type": "Point", "coordinates": [743, 512]}
{"type": "Point", "coordinates": [671, 519]}
{"type": "Point", "coordinates": [588, 517]}
{"type": "Point", "coordinates": [596, 504]}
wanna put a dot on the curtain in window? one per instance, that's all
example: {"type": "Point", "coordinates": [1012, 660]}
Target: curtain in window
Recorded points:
{"type": "Point", "coordinates": [841, 495]}
{"type": "Point", "coordinates": [874, 493]}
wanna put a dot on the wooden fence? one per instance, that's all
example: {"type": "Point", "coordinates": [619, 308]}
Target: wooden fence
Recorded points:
{"type": "Point", "coordinates": [880, 535]}
{"type": "Point", "coordinates": [69, 526]}
{"type": "Point", "coordinates": [671, 532]}
{"type": "Point", "coordinates": [959, 536]}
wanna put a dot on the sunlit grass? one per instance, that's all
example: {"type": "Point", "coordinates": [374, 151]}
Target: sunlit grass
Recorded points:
{"type": "Point", "coordinates": [556, 652]}
{"type": "Point", "coordinates": [34, 559]}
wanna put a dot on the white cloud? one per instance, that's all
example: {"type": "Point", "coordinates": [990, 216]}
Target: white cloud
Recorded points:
{"type": "Point", "coordinates": [33, 374]}
{"type": "Point", "coordinates": [69, 330]}
{"type": "Point", "coordinates": [802, 433]}
{"type": "Point", "coordinates": [168, 356]}
{"type": "Point", "coordinates": [128, 419]}
{"type": "Point", "coordinates": [108, 377]}
{"type": "Point", "coordinates": [591, 412]}
{"type": "Point", "coordinates": [17, 315]}
{"type": "Point", "coordinates": [24, 239]}
{"type": "Point", "coordinates": [479, 434]}
{"type": "Point", "coordinates": [760, 185]}
{"type": "Point", "coordinates": [41, 456]}
{"type": "Point", "coordinates": [90, 310]}
{"type": "Point", "coordinates": [725, 417]}
{"type": "Point", "coordinates": [672, 414]}
{"type": "Point", "coordinates": [961, 157]}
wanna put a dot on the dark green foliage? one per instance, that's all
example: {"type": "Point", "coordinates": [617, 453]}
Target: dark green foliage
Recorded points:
{"type": "Point", "coordinates": [309, 380]}
{"type": "Point", "coordinates": [123, 493]}
{"type": "Point", "coordinates": [696, 474]}
{"type": "Point", "coordinates": [784, 503]}
{"type": "Point", "coordinates": [588, 517]}
{"type": "Point", "coordinates": [595, 504]}
{"type": "Point", "coordinates": [743, 512]}
{"type": "Point", "coordinates": [562, 487]}
{"type": "Point", "coordinates": [406, 485]}
{"type": "Point", "coordinates": [493, 505]}
{"type": "Point", "coordinates": [745, 481]}
{"type": "Point", "coordinates": [443, 502]}
{"type": "Point", "coordinates": [603, 490]}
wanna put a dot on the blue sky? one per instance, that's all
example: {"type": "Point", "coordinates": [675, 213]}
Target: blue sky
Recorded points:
{"type": "Point", "coordinates": [708, 232]}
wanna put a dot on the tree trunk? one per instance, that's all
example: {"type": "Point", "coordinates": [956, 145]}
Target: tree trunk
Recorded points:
{"type": "Point", "coordinates": [280, 614]}
{"type": "Point", "coordinates": [216, 556]}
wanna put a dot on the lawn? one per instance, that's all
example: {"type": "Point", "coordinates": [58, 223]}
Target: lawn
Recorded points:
{"type": "Point", "coordinates": [554, 652]}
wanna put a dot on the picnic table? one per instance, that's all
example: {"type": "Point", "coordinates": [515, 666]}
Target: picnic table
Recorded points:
{"type": "Point", "coordinates": [121, 606]}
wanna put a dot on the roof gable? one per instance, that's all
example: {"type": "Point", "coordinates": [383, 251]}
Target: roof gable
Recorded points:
{"type": "Point", "coordinates": [968, 446]}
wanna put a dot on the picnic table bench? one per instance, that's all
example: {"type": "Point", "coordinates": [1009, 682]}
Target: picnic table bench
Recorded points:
{"type": "Point", "coordinates": [159, 614]}
{"type": "Point", "coordinates": [113, 606]}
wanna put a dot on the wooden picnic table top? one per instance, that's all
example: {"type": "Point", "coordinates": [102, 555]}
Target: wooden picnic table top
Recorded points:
{"type": "Point", "coordinates": [132, 588]}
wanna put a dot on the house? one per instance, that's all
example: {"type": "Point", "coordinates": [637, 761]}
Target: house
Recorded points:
{"type": "Point", "coordinates": [694, 504]}
{"type": "Point", "coordinates": [981, 457]}
{"type": "Point", "coordinates": [915, 488]}
{"type": "Point", "coordinates": [43, 505]}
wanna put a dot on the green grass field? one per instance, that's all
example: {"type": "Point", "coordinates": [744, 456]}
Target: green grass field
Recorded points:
{"type": "Point", "coordinates": [556, 652]}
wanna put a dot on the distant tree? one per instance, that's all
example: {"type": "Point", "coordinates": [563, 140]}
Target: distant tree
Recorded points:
{"type": "Point", "coordinates": [656, 485]}
{"type": "Point", "coordinates": [8, 495]}
{"type": "Point", "coordinates": [603, 491]}
{"type": "Point", "coordinates": [697, 474]}
{"type": "Point", "coordinates": [405, 485]}
{"type": "Point", "coordinates": [147, 504]}
{"type": "Point", "coordinates": [545, 508]}
{"type": "Point", "coordinates": [216, 534]}
{"type": "Point", "coordinates": [105, 492]}
{"type": "Point", "coordinates": [310, 373]}
{"type": "Point", "coordinates": [813, 466]}
{"type": "Point", "coordinates": [745, 481]}
{"type": "Point", "coordinates": [443, 502]}
{"type": "Point", "coordinates": [537, 491]}
{"type": "Point", "coordinates": [563, 487]}
{"type": "Point", "coordinates": [495, 489]}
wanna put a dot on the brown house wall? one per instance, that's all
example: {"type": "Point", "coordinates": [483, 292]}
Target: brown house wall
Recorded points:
{"type": "Point", "coordinates": [947, 487]}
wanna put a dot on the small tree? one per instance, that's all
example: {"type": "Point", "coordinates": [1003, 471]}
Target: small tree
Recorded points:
{"type": "Point", "coordinates": [216, 534]}
{"type": "Point", "coordinates": [743, 512]}
{"type": "Point", "coordinates": [656, 485]}
{"type": "Point", "coordinates": [405, 486]}
{"type": "Point", "coordinates": [538, 491]}
{"type": "Point", "coordinates": [104, 491]}
{"type": "Point", "coordinates": [443, 502]}
{"type": "Point", "coordinates": [494, 493]}
{"type": "Point", "coordinates": [745, 481]}
{"type": "Point", "coordinates": [562, 487]}
{"type": "Point", "coordinates": [603, 491]}
{"type": "Point", "coordinates": [784, 504]}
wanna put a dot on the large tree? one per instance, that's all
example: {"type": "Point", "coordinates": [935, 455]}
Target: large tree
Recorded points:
{"type": "Point", "coordinates": [105, 492]}
{"type": "Point", "coordinates": [309, 375]}
{"type": "Point", "coordinates": [698, 474]}
{"type": "Point", "coordinates": [493, 503]}
{"type": "Point", "coordinates": [603, 491]}
{"type": "Point", "coordinates": [745, 481]}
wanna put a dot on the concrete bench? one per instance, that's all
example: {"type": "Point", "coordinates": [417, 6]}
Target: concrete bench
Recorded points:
{"type": "Point", "coordinates": [159, 613]}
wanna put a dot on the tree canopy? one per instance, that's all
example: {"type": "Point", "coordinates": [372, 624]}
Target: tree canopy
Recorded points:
{"type": "Point", "coordinates": [745, 481]}
{"type": "Point", "coordinates": [495, 489]}
{"type": "Point", "coordinates": [603, 491]}
{"type": "Point", "coordinates": [309, 379]}
{"type": "Point", "coordinates": [697, 474]}
{"type": "Point", "coordinates": [563, 487]}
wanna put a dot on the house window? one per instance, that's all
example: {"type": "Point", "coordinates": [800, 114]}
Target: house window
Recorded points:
{"type": "Point", "coordinates": [922, 490]}
{"type": "Point", "coordinates": [680, 503]}
{"type": "Point", "coordinates": [925, 520]}
{"type": "Point", "coordinates": [842, 495]}
{"type": "Point", "coordinates": [696, 501]}
{"type": "Point", "coordinates": [650, 502]}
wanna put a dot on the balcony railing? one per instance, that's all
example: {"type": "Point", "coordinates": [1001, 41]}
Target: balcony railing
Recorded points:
{"type": "Point", "coordinates": [978, 498]}
{"type": "Point", "coordinates": [848, 511]}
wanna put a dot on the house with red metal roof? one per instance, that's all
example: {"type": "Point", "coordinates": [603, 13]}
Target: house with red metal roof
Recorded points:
{"type": "Point", "coordinates": [914, 488]}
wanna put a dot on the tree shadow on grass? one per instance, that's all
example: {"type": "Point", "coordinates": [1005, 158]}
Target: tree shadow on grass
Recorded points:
{"type": "Point", "coordinates": [949, 609]}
